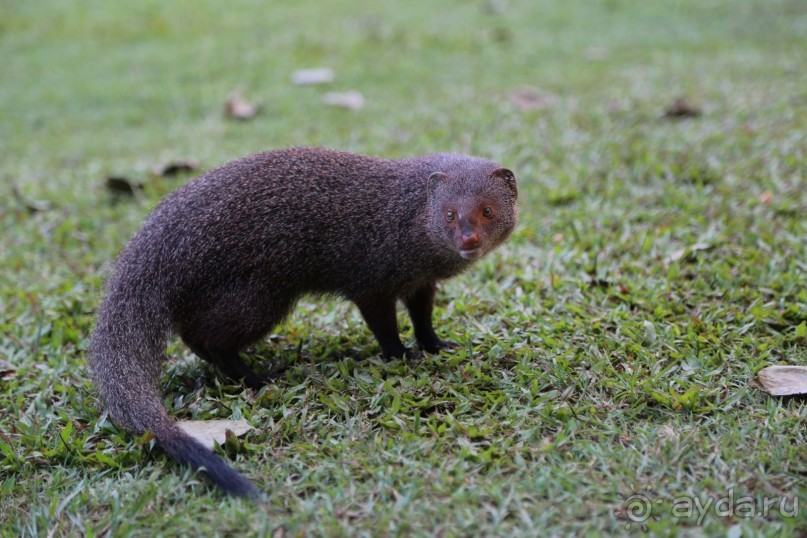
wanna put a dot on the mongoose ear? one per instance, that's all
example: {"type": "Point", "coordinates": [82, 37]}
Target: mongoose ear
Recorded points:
{"type": "Point", "coordinates": [435, 180]}
{"type": "Point", "coordinates": [508, 178]}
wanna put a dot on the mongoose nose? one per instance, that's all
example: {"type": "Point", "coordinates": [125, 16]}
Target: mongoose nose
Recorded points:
{"type": "Point", "coordinates": [470, 241]}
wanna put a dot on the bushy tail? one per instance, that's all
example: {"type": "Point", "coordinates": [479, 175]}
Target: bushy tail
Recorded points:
{"type": "Point", "coordinates": [126, 356]}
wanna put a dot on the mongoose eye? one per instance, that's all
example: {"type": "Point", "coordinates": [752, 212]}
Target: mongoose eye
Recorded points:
{"type": "Point", "coordinates": [449, 216]}
{"type": "Point", "coordinates": [487, 212]}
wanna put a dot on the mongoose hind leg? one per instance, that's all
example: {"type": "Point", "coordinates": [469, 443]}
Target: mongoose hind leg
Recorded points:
{"type": "Point", "coordinates": [237, 318]}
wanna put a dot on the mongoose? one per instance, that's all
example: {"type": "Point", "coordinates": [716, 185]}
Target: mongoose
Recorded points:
{"type": "Point", "coordinates": [223, 259]}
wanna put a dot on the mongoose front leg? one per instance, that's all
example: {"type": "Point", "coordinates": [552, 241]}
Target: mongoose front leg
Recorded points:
{"type": "Point", "coordinates": [420, 305]}
{"type": "Point", "coordinates": [379, 314]}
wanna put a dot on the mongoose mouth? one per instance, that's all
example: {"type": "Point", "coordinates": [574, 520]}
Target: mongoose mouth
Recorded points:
{"type": "Point", "coordinates": [471, 253]}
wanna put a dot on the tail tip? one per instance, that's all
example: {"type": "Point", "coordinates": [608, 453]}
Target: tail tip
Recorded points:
{"type": "Point", "coordinates": [190, 452]}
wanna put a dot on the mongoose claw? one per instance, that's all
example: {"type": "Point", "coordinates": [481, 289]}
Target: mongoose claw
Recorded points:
{"type": "Point", "coordinates": [268, 375]}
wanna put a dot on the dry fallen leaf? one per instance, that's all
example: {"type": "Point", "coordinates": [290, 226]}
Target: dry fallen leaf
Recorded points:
{"type": "Point", "coordinates": [33, 206]}
{"type": "Point", "coordinates": [316, 75]}
{"type": "Point", "coordinates": [681, 108]}
{"type": "Point", "coordinates": [209, 431]}
{"type": "Point", "coordinates": [6, 371]}
{"type": "Point", "coordinates": [678, 254]}
{"type": "Point", "coordinates": [782, 380]}
{"type": "Point", "coordinates": [238, 108]}
{"type": "Point", "coordinates": [533, 99]}
{"type": "Point", "coordinates": [175, 167]}
{"type": "Point", "coordinates": [122, 185]}
{"type": "Point", "coordinates": [351, 100]}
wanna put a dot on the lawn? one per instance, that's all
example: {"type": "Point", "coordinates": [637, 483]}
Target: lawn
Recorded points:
{"type": "Point", "coordinates": [607, 351]}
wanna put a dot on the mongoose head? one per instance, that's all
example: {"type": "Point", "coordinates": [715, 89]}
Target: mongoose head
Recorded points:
{"type": "Point", "coordinates": [472, 212]}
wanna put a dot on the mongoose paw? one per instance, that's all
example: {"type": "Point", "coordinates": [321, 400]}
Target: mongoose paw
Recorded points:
{"type": "Point", "coordinates": [256, 381]}
{"type": "Point", "coordinates": [404, 353]}
{"type": "Point", "coordinates": [268, 375]}
{"type": "Point", "coordinates": [435, 347]}
{"type": "Point", "coordinates": [413, 354]}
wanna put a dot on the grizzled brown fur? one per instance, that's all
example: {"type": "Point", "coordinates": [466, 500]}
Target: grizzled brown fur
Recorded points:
{"type": "Point", "coordinates": [223, 259]}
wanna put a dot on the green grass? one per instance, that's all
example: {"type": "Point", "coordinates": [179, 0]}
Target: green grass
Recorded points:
{"type": "Point", "coordinates": [592, 367]}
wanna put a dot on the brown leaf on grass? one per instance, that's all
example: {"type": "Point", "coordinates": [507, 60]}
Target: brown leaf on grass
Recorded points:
{"type": "Point", "coordinates": [600, 283]}
{"type": "Point", "coordinates": [6, 371]}
{"type": "Point", "coordinates": [32, 206]}
{"type": "Point", "coordinates": [122, 185]}
{"type": "Point", "coordinates": [681, 108]}
{"type": "Point", "coordinates": [316, 75]}
{"type": "Point", "coordinates": [782, 380]}
{"type": "Point", "coordinates": [174, 168]}
{"type": "Point", "coordinates": [533, 99]}
{"type": "Point", "coordinates": [681, 253]}
{"type": "Point", "coordinates": [351, 100]}
{"type": "Point", "coordinates": [209, 431]}
{"type": "Point", "coordinates": [239, 108]}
